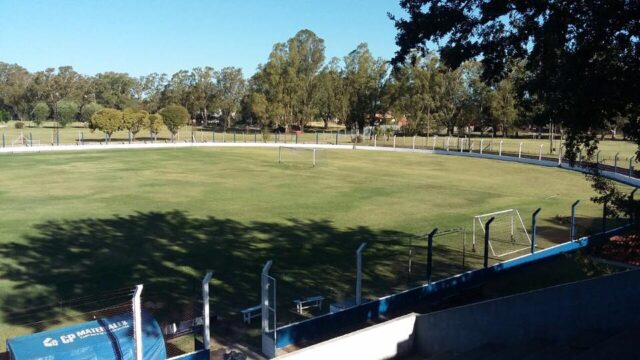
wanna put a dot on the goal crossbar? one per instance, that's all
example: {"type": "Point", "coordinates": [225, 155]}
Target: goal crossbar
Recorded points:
{"type": "Point", "coordinates": [294, 148]}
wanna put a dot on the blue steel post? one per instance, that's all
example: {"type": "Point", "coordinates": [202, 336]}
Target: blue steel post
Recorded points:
{"type": "Point", "coordinates": [486, 242]}
{"type": "Point", "coordinates": [430, 254]}
{"type": "Point", "coordinates": [572, 231]}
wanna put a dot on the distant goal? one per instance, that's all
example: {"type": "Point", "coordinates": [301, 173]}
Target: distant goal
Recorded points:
{"type": "Point", "coordinates": [508, 234]}
{"type": "Point", "coordinates": [302, 156]}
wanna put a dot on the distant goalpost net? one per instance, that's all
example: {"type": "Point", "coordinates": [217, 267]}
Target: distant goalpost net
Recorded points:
{"type": "Point", "coordinates": [301, 155]}
{"type": "Point", "coordinates": [507, 233]}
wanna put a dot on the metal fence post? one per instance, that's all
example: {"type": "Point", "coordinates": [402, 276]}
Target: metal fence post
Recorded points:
{"type": "Point", "coordinates": [206, 332]}
{"type": "Point", "coordinates": [631, 200]}
{"type": "Point", "coordinates": [337, 139]}
{"type": "Point", "coordinates": [296, 137]}
{"type": "Point", "coordinates": [394, 141]}
{"type": "Point", "coordinates": [430, 254]}
{"type": "Point", "coordinates": [604, 216]}
{"type": "Point", "coordinates": [500, 153]}
{"type": "Point", "coordinates": [540, 153]}
{"type": "Point", "coordinates": [234, 135]}
{"type": "Point", "coordinates": [630, 160]}
{"type": "Point", "coordinates": [572, 231]}
{"type": "Point", "coordinates": [317, 140]}
{"type": "Point", "coordinates": [486, 241]}
{"type": "Point", "coordinates": [137, 323]}
{"type": "Point", "coordinates": [359, 273]}
{"type": "Point", "coordinates": [30, 139]}
{"type": "Point", "coordinates": [3, 140]}
{"type": "Point", "coordinates": [560, 155]}
{"type": "Point", "coordinates": [129, 136]}
{"type": "Point", "coordinates": [481, 145]}
{"type": "Point", "coordinates": [615, 163]}
{"type": "Point", "coordinates": [534, 227]}
{"type": "Point", "coordinates": [435, 138]}
{"type": "Point", "coordinates": [598, 160]}
{"type": "Point", "coordinates": [414, 143]}
{"type": "Point", "coordinates": [520, 151]}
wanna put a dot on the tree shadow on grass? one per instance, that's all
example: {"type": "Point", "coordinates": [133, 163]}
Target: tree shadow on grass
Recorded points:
{"type": "Point", "coordinates": [169, 252]}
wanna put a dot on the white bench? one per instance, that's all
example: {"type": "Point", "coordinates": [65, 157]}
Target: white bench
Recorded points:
{"type": "Point", "coordinates": [308, 302]}
{"type": "Point", "coordinates": [250, 313]}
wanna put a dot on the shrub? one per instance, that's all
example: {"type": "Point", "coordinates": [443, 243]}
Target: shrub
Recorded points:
{"type": "Point", "coordinates": [19, 125]}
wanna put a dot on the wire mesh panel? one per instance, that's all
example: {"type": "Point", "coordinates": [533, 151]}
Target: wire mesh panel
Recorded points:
{"type": "Point", "coordinates": [39, 315]}
{"type": "Point", "coordinates": [179, 315]}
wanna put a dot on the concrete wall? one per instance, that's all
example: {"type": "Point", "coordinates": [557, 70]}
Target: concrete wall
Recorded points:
{"type": "Point", "coordinates": [383, 341]}
{"type": "Point", "coordinates": [559, 313]}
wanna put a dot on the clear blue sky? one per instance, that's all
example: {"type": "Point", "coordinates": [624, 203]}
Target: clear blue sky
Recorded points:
{"type": "Point", "coordinates": [144, 36]}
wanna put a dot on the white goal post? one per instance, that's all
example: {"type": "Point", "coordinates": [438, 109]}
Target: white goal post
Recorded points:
{"type": "Point", "coordinates": [508, 234]}
{"type": "Point", "coordinates": [312, 152]}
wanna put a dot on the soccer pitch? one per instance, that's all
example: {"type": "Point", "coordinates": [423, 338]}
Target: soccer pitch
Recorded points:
{"type": "Point", "coordinates": [83, 223]}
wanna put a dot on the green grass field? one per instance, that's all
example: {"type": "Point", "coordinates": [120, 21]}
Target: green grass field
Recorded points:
{"type": "Point", "coordinates": [80, 224]}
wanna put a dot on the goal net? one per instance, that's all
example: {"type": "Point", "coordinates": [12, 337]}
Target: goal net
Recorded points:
{"type": "Point", "coordinates": [301, 156]}
{"type": "Point", "coordinates": [507, 233]}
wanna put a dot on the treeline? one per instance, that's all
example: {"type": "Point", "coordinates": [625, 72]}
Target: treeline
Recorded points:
{"type": "Point", "coordinates": [295, 86]}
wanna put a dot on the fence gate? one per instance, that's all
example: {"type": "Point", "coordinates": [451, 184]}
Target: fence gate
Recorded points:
{"type": "Point", "coordinates": [268, 312]}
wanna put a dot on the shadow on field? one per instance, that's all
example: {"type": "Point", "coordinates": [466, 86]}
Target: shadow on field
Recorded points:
{"type": "Point", "coordinates": [169, 252]}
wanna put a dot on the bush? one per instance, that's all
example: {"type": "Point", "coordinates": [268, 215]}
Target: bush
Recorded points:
{"type": "Point", "coordinates": [19, 125]}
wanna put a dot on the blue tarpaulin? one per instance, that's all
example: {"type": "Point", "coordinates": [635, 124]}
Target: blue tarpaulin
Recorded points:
{"type": "Point", "coordinates": [106, 338]}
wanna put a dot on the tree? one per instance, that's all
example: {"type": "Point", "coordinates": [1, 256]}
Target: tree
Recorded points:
{"type": "Point", "coordinates": [365, 78]}
{"type": "Point", "coordinates": [255, 107]}
{"type": "Point", "coordinates": [88, 110]}
{"type": "Point", "coordinates": [41, 113]}
{"type": "Point", "coordinates": [330, 93]}
{"type": "Point", "coordinates": [503, 106]}
{"type": "Point", "coordinates": [14, 81]}
{"type": "Point", "coordinates": [452, 100]}
{"type": "Point", "coordinates": [114, 90]}
{"type": "Point", "coordinates": [108, 121]}
{"type": "Point", "coordinates": [413, 91]}
{"type": "Point", "coordinates": [174, 117]}
{"type": "Point", "coordinates": [287, 79]}
{"type": "Point", "coordinates": [67, 111]}
{"type": "Point", "coordinates": [155, 123]}
{"type": "Point", "coordinates": [230, 86]}
{"type": "Point", "coordinates": [582, 58]}
{"type": "Point", "coordinates": [134, 120]}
